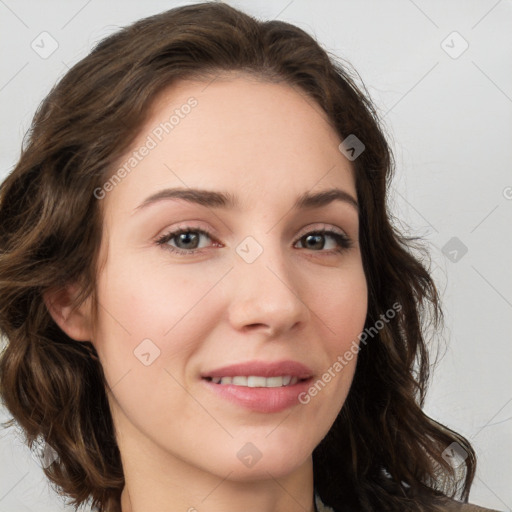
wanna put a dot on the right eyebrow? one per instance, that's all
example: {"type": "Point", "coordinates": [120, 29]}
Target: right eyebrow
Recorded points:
{"type": "Point", "coordinates": [209, 198]}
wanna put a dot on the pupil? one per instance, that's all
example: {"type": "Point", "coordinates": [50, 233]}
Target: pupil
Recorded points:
{"type": "Point", "coordinates": [318, 240]}
{"type": "Point", "coordinates": [185, 237]}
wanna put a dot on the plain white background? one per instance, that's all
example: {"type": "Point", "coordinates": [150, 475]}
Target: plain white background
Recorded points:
{"type": "Point", "coordinates": [447, 110]}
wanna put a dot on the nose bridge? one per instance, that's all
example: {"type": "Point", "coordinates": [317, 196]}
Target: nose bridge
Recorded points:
{"type": "Point", "coordinates": [267, 290]}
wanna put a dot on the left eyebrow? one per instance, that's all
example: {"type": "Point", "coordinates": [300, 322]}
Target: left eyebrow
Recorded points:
{"type": "Point", "coordinates": [226, 200]}
{"type": "Point", "coordinates": [319, 199]}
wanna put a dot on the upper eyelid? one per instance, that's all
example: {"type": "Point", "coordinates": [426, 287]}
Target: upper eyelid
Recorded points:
{"type": "Point", "coordinates": [321, 226]}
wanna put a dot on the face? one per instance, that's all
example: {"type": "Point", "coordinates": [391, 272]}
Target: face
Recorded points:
{"type": "Point", "coordinates": [238, 274]}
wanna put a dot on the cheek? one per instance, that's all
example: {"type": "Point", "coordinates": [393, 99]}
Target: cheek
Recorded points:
{"type": "Point", "coordinates": [144, 338]}
{"type": "Point", "coordinates": [341, 304]}
{"type": "Point", "coordinates": [148, 299]}
{"type": "Point", "coordinates": [151, 317]}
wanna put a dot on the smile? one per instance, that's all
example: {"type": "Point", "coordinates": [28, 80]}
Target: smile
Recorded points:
{"type": "Point", "coordinates": [253, 381]}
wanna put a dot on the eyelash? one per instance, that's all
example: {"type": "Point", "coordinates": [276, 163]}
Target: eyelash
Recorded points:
{"type": "Point", "coordinates": [343, 241]}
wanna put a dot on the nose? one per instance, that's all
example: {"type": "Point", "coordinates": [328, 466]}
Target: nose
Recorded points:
{"type": "Point", "coordinates": [266, 294]}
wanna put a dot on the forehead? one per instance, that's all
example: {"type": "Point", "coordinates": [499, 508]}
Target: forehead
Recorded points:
{"type": "Point", "coordinates": [241, 134]}
{"type": "Point", "coordinates": [241, 106]}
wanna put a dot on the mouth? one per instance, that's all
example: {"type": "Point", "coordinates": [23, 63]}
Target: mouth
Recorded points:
{"type": "Point", "coordinates": [257, 381]}
{"type": "Point", "coordinates": [251, 373]}
{"type": "Point", "coordinates": [259, 386]}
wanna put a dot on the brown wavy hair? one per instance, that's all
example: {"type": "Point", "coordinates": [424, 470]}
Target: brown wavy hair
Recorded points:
{"type": "Point", "coordinates": [382, 452]}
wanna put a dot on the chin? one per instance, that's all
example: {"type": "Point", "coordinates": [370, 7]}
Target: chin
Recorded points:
{"type": "Point", "coordinates": [253, 464]}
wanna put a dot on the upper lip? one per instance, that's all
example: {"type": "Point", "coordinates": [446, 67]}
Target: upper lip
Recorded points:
{"type": "Point", "coordinates": [262, 369]}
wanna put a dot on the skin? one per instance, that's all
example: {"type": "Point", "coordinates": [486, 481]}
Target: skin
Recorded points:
{"type": "Point", "coordinates": [267, 144]}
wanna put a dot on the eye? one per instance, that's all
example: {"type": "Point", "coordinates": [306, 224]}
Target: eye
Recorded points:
{"type": "Point", "coordinates": [315, 240]}
{"type": "Point", "coordinates": [187, 239]}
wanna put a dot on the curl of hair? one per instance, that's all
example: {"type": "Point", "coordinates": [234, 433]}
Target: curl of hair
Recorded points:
{"type": "Point", "coordinates": [382, 452]}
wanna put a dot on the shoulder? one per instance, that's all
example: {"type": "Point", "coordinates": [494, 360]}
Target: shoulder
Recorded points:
{"type": "Point", "coordinates": [456, 506]}
{"type": "Point", "coordinates": [450, 505]}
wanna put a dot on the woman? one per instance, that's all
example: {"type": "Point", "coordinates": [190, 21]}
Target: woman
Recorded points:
{"type": "Point", "coordinates": [206, 305]}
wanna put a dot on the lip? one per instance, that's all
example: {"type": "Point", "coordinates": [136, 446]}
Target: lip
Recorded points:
{"type": "Point", "coordinates": [262, 369]}
{"type": "Point", "coordinates": [264, 400]}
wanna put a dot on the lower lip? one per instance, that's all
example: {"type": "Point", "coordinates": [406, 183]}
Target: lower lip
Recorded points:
{"type": "Point", "coordinates": [266, 400]}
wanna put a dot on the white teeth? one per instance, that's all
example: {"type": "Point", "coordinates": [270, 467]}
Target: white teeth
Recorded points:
{"type": "Point", "coordinates": [254, 381]}
{"type": "Point", "coordinates": [286, 380]}
{"type": "Point", "coordinates": [272, 382]}
{"type": "Point", "coordinates": [257, 382]}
